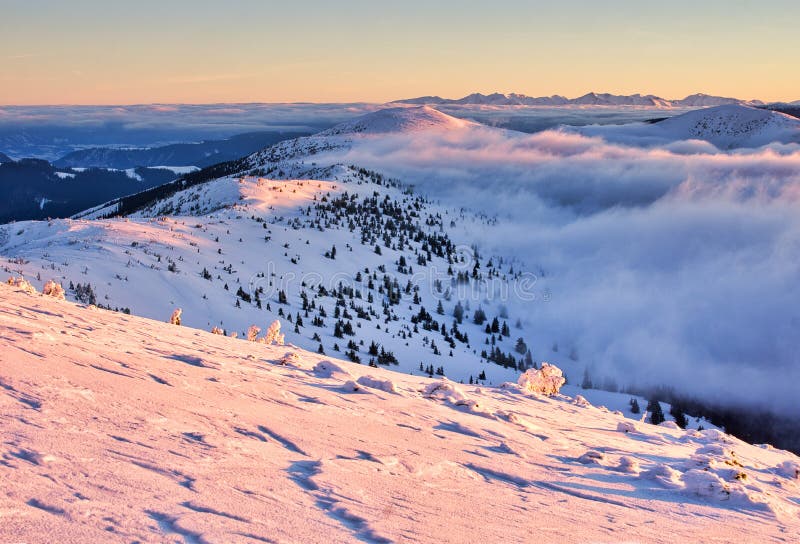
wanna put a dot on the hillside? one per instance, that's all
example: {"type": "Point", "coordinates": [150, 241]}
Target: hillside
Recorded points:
{"type": "Point", "coordinates": [734, 126]}
{"type": "Point", "coordinates": [726, 127]}
{"type": "Point", "coordinates": [35, 189]}
{"type": "Point", "coordinates": [225, 251]}
{"type": "Point", "coordinates": [199, 154]}
{"type": "Point", "coordinates": [398, 120]}
{"type": "Point", "coordinates": [118, 428]}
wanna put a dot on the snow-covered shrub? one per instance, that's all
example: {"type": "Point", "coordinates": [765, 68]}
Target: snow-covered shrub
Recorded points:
{"type": "Point", "coordinates": [579, 400]}
{"type": "Point", "coordinates": [252, 333]}
{"type": "Point", "coordinates": [217, 330]}
{"type": "Point", "coordinates": [663, 474]}
{"type": "Point", "coordinates": [789, 469]}
{"type": "Point", "coordinates": [626, 426]}
{"type": "Point", "coordinates": [53, 289]}
{"type": "Point", "coordinates": [545, 381]}
{"type": "Point", "coordinates": [274, 335]}
{"type": "Point", "coordinates": [290, 358]}
{"type": "Point", "coordinates": [706, 484]}
{"type": "Point", "coordinates": [628, 465]}
{"type": "Point", "coordinates": [175, 319]}
{"type": "Point", "coordinates": [329, 369]}
{"type": "Point", "coordinates": [444, 389]}
{"type": "Point", "coordinates": [377, 383]}
{"type": "Point", "coordinates": [22, 284]}
{"type": "Point", "coordinates": [669, 425]}
{"type": "Point", "coordinates": [592, 457]}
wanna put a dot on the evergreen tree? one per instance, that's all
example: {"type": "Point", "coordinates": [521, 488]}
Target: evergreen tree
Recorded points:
{"type": "Point", "coordinates": [656, 414]}
{"type": "Point", "coordinates": [587, 380]}
{"type": "Point", "coordinates": [458, 312]}
{"type": "Point", "coordinates": [680, 418]}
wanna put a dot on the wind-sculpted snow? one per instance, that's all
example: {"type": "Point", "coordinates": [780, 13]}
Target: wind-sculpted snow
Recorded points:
{"type": "Point", "coordinates": [108, 436]}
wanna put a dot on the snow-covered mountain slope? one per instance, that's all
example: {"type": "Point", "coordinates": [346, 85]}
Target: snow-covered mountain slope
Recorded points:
{"type": "Point", "coordinates": [726, 127]}
{"type": "Point", "coordinates": [734, 126]}
{"type": "Point", "coordinates": [399, 120]}
{"type": "Point", "coordinates": [225, 252]}
{"type": "Point", "coordinates": [355, 263]}
{"type": "Point", "coordinates": [117, 429]}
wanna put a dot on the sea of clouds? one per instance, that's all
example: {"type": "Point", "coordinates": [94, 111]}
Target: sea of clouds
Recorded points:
{"type": "Point", "coordinates": [674, 265]}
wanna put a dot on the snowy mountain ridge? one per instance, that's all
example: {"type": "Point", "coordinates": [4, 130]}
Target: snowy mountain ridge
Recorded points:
{"type": "Point", "coordinates": [119, 428]}
{"type": "Point", "coordinates": [589, 99]}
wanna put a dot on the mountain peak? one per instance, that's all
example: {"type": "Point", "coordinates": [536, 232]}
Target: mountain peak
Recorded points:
{"type": "Point", "coordinates": [399, 119]}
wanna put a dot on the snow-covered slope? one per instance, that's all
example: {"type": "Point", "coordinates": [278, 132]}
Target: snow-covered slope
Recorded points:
{"type": "Point", "coordinates": [198, 248]}
{"type": "Point", "coordinates": [734, 126]}
{"type": "Point", "coordinates": [399, 120]}
{"type": "Point", "coordinates": [118, 429]}
{"type": "Point", "coordinates": [726, 127]}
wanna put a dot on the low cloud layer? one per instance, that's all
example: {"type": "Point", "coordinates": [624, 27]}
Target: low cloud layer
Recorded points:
{"type": "Point", "coordinates": [675, 265]}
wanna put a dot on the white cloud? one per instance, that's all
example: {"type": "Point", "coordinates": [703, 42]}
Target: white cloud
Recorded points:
{"type": "Point", "coordinates": [676, 265]}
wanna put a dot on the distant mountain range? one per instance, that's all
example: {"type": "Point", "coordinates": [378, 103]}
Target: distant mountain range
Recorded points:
{"type": "Point", "coordinates": [590, 99]}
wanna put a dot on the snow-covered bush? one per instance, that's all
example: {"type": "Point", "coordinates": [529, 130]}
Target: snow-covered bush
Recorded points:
{"type": "Point", "coordinates": [273, 335]}
{"type": "Point", "coordinates": [22, 284]}
{"type": "Point", "coordinates": [217, 330]}
{"type": "Point", "coordinates": [592, 457]}
{"type": "Point", "coordinates": [628, 465]}
{"type": "Point", "coordinates": [579, 400]}
{"type": "Point", "coordinates": [252, 333]}
{"type": "Point", "coordinates": [789, 469]}
{"type": "Point", "coordinates": [626, 426]}
{"type": "Point", "coordinates": [377, 383]}
{"type": "Point", "coordinates": [329, 369]}
{"type": "Point", "coordinates": [175, 319]}
{"type": "Point", "coordinates": [53, 289]}
{"type": "Point", "coordinates": [444, 389]}
{"type": "Point", "coordinates": [545, 381]}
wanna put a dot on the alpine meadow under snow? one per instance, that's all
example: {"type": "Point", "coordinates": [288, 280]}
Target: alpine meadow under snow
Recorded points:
{"type": "Point", "coordinates": [647, 261]}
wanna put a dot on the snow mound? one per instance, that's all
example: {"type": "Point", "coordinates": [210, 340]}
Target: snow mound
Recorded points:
{"type": "Point", "coordinates": [665, 475]}
{"type": "Point", "coordinates": [669, 425]}
{"type": "Point", "coordinates": [628, 465]}
{"type": "Point", "coordinates": [399, 120]}
{"type": "Point", "coordinates": [789, 469]}
{"type": "Point", "coordinates": [377, 383]}
{"type": "Point", "coordinates": [545, 381]}
{"type": "Point", "coordinates": [592, 457]}
{"type": "Point", "coordinates": [328, 369]}
{"type": "Point", "coordinates": [444, 389]}
{"type": "Point", "coordinates": [626, 426]}
{"type": "Point", "coordinates": [579, 400]}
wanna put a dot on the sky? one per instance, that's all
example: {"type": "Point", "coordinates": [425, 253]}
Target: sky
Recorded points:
{"type": "Point", "coordinates": [100, 52]}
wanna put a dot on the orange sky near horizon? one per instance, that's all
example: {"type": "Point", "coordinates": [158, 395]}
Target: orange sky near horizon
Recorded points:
{"type": "Point", "coordinates": [91, 52]}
